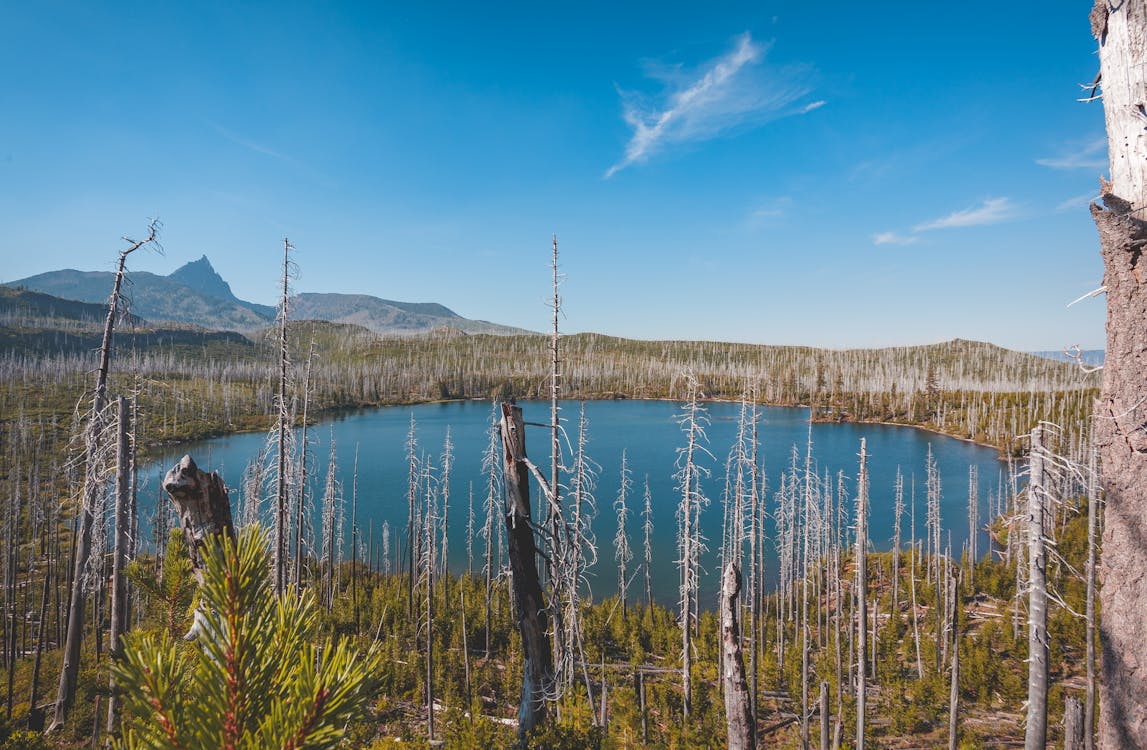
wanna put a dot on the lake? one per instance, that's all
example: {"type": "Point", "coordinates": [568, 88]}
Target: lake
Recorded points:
{"type": "Point", "coordinates": [650, 434]}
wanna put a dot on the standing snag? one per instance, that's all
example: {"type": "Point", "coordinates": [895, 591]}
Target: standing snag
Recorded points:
{"type": "Point", "coordinates": [1121, 412]}
{"type": "Point", "coordinates": [738, 716]}
{"type": "Point", "coordinates": [529, 606]}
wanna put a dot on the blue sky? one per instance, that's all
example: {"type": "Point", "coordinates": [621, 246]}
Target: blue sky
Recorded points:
{"type": "Point", "coordinates": [845, 174]}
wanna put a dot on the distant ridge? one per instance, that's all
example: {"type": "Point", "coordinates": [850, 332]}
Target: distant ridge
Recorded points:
{"type": "Point", "coordinates": [195, 293]}
{"type": "Point", "coordinates": [387, 316]}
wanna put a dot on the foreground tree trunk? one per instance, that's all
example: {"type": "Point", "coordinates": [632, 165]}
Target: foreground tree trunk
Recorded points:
{"type": "Point", "coordinates": [1121, 414]}
{"type": "Point", "coordinates": [738, 716]}
{"type": "Point", "coordinates": [537, 675]}
{"type": "Point", "coordinates": [861, 592]}
{"type": "Point", "coordinates": [1038, 645]}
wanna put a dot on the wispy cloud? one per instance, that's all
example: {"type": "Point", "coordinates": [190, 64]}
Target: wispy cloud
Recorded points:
{"type": "Point", "coordinates": [894, 238]}
{"type": "Point", "coordinates": [732, 91]}
{"type": "Point", "coordinates": [1076, 202]}
{"type": "Point", "coordinates": [991, 211]}
{"type": "Point", "coordinates": [768, 211]}
{"type": "Point", "coordinates": [249, 144]}
{"type": "Point", "coordinates": [1087, 155]}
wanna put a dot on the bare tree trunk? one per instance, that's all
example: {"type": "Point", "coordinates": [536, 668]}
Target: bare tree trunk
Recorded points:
{"type": "Point", "coordinates": [954, 691]}
{"type": "Point", "coordinates": [861, 592]}
{"type": "Point", "coordinates": [1073, 724]}
{"type": "Point", "coordinates": [119, 557]}
{"type": "Point", "coordinates": [301, 501]}
{"type": "Point", "coordinates": [83, 539]}
{"type": "Point", "coordinates": [825, 717]}
{"type": "Point", "coordinates": [530, 607]}
{"type": "Point", "coordinates": [1121, 29]}
{"type": "Point", "coordinates": [738, 716]}
{"type": "Point", "coordinates": [280, 563]}
{"type": "Point", "coordinates": [1038, 647]}
{"type": "Point", "coordinates": [1092, 524]}
{"type": "Point", "coordinates": [466, 653]}
{"type": "Point", "coordinates": [639, 677]}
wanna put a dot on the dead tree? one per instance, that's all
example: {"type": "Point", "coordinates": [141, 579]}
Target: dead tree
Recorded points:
{"type": "Point", "coordinates": [621, 551]}
{"type": "Point", "coordinates": [647, 542]}
{"type": "Point", "coordinates": [973, 522]}
{"type": "Point", "coordinates": [529, 606]}
{"type": "Point", "coordinates": [898, 515]}
{"type": "Point", "coordinates": [204, 511]}
{"type": "Point", "coordinates": [1035, 737]}
{"type": "Point", "coordinates": [1073, 724]}
{"type": "Point", "coordinates": [861, 591]}
{"type": "Point", "coordinates": [738, 713]}
{"type": "Point", "coordinates": [1121, 414]}
{"type": "Point", "coordinates": [689, 472]}
{"type": "Point", "coordinates": [119, 555]}
{"type": "Point", "coordinates": [284, 418]}
{"type": "Point", "coordinates": [1092, 525]}
{"type": "Point", "coordinates": [954, 686]}
{"type": "Point", "coordinates": [92, 454]}
{"type": "Point", "coordinates": [203, 506]}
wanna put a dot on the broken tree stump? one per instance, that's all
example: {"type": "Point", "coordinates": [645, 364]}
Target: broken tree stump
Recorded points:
{"type": "Point", "coordinates": [204, 511]}
{"type": "Point", "coordinates": [738, 716]}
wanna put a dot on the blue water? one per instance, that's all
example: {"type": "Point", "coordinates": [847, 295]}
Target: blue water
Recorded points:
{"type": "Point", "coordinates": [650, 434]}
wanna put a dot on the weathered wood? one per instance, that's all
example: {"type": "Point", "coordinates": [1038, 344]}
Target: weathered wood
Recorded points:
{"type": "Point", "coordinates": [825, 717]}
{"type": "Point", "coordinates": [738, 713]}
{"type": "Point", "coordinates": [861, 592]}
{"type": "Point", "coordinates": [1035, 737]}
{"type": "Point", "coordinates": [119, 551]}
{"type": "Point", "coordinates": [529, 606]}
{"type": "Point", "coordinates": [204, 511]}
{"type": "Point", "coordinates": [203, 506]}
{"type": "Point", "coordinates": [1073, 724]}
{"type": "Point", "coordinates": [1121, 413]}
{"type": "Point", "coordinates": [954, 682]}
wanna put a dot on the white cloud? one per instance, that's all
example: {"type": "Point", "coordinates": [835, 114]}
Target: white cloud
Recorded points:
{"type": "Point", "coordinates": [1076, 202]}
{"type": "Point", "coordinates": [991, 211]}
{"type": "Point", "coordinates": [1089, 155]}
{"type": "Point", "coordinates": [733, 90]}
{"type": "Point", "coordinates": [893, 238]}
{"type": "Point", "coordinates": [813, 105]}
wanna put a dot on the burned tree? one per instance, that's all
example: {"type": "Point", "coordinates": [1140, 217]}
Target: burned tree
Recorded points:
{"type": "Point", "coordinates": [1121, 413]}
{"type": "Point", "coordinates": [203, 506]}
{"type": "Point", "coordinates": [93, 456]}
{"type": "Point", "coordinates": [529, 606]}
{"type": "Point", "coordinates": [738, 713]}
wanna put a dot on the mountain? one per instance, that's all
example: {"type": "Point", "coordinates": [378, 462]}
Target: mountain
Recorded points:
{"type": "Point", "coordinates": [387, 316]}
{"type": "Point", "coordinates": [201, 276]}
{"type": "Point", "coordinates": [155, 298]}
{"type": "Point", "coordinates": [195, 293]}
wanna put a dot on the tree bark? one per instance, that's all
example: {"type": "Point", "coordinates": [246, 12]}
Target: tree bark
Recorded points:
{"type": "Point", "coordinates": [1073, 724]}
{"type": "Point", "coordinates": [119, 553]}
{"type": "Point", "coordinates": [738, 716]}
{"type": "Point", "coordinates": [861, 591]}
{"type": "Point", "coordinates": [1121, 414]}
{"type": "Point", "coordinates": [1038, 646]}
{"type": "Point", "coordinates": [204, 511]}
{"type": "Point", "coordinates": [529, 606]}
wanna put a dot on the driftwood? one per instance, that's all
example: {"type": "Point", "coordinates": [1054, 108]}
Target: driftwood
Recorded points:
{"type": "Point", "coordinates": [204, 511]}
{"type": "Point", "coordinates": [529, 606]}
